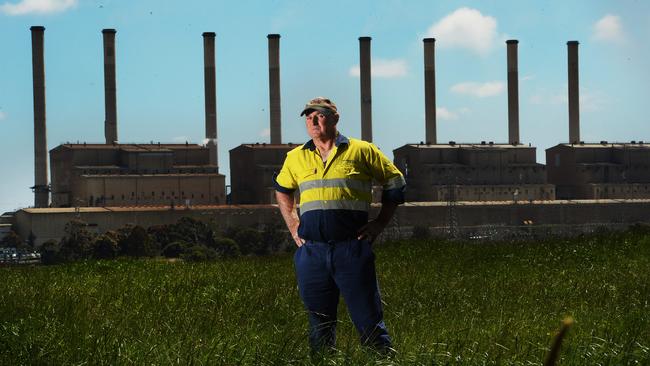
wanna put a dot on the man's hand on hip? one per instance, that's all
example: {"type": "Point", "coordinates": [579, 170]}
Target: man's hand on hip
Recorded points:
{"type": "Point", "coordinates": [370, 231]}
{"type": "Point", "coordinates": [299, 241]}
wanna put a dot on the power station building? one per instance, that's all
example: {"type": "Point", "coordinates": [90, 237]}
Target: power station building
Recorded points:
{"type": "Point", "coordinates": [114, 174]}
{"type": "Point", "coordinates": [484, 171]}
{"type": "Point", "coordinates": [595, 170]}
{"type": "Point", "coordinates": [253, 166]}
{"type": "Point", "coordinates": [600, 170]}
{"type": "Point", "coordinates": [134, 175]}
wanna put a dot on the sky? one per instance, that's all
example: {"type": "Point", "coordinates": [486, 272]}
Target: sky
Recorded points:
{"type": "Point", "coordinates": [160, 93]}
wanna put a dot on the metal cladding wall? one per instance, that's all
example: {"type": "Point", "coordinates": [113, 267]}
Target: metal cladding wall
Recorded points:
{"type": "Point", "coordinates": [49, 223]}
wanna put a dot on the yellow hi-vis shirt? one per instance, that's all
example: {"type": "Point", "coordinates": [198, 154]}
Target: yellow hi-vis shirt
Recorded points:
{"type": "Point", "coordinates": [335, 196]}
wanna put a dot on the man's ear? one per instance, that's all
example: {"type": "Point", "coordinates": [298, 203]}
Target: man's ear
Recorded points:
{"type": "Point", "coordinates": [335, 118]}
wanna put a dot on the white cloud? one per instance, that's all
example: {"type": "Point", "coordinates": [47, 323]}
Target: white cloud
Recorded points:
{"type": "Point", "coordinates": [445, 114]}
{"type": "Point", "coordinates": [266, 132]}
{"type": "Point", "coordinates": [466, 28]}
{"type": "Point", "coordinates": [37, 7]}
{"type": "Point", "coordinates": [3, 115]}
{"type": "Point", "coordinates": [480, 90]}
{"type": "Point", "coordinates": [609, 29]}
{"type": "Point", "coordinates": [382, 68]}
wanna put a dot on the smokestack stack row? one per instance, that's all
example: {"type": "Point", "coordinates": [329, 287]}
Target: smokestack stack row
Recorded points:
{"type": "Point", "coordinates": [110, 90]}
{"type": "Point", "coordinates": [574, 94]}
{"type": "Point", "coordinates": [366, 95]}
{"type": "Point", "coordinates": [430, 90]}
{"type": "Point", "coordinates": [210, 95]}
{"type": "Point", "coordinates": [274, 88]}
{"type": "Point", "coordinates": [41, 190]}
{"type": "Point", "coordinates": [513, 92]}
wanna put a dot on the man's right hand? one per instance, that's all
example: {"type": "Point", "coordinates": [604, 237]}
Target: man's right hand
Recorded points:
{"type": "Point", "coordinates": [299, 241]}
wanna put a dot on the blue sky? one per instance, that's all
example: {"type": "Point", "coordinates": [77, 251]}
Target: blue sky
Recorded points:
{"type": "Point", "coordinates": [160, 71]}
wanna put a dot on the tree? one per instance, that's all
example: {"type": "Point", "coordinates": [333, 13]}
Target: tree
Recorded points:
{"type": "Point", "coordinates": [175, 249]}
{"type": "Point", "coordinates": [11, 240]}
{"type": "Point", "coordinates": [192, 231]}
{"type": "Point", "coordinates": [250, 241]}
{"type": "Point", "coordinates": [50, 252]}
{"type": "Point", "coordinates": [139, 243]}
{"type": "Point", "coordinates": [226, 248]}
{"type": "Point", "coordinates": [105, 247]}
{"type": "Point", "coordinates": [77, 243]}
{"type": "Point", "coordinates": [274, 237]}
{"type": "Point", "coordinates": [199, 253]}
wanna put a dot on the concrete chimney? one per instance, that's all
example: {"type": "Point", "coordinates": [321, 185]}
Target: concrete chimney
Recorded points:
{"type": "Point", "coordinates": [574, 93]}
{"type": "Point", "coordinates": [274, 88]}
{"type": "Point", "coordinates": [41, 190]}
{"type": "Point", "coordinates": [110, 97]}
{"type": "Point", "coordinates": [513, 92]}
{"type": "Point", "coordinates": [366, 95]}
{"type": "Point", "coordinates": [210, 96]}
{"type": "Point", "coordinates": [430, 90]}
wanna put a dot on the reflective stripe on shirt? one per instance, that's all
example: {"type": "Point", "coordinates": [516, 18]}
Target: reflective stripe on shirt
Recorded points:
{"type": "Point", "coordinates": [334, 205]}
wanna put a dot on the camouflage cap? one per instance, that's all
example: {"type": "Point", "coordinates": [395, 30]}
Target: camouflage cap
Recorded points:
{"type": "Point", "coordinates": [320, 104]}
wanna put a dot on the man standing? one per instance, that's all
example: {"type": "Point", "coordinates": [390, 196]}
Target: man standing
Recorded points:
{"type": "Point", "coordinates": [334, 175]}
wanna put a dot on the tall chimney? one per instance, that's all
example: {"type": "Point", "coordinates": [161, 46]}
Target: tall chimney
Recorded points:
{"type": "Point", "coordinates": [110, 98]}
{"type": "Point", "coordinates": [41, 190]}
{"type": "Point", "coordinates": [366, 95]}
{"type": "Point", "coordinates": [210, 96]}
{"type": "Point", "coordinates": [513, 92]}
{"type": "Point", "coordinates": [430, 90]}
{"type": "Point", "coordinates": [274, 88]}
{"type": "Point", "coordinates": [574, 94]}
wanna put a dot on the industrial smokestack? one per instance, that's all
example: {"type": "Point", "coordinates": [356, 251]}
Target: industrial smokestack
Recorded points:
{"type": "Point", "coordinates": [366, 96]}
{"type": "Point", "coordinates": [274, 88]}
{"type": "Point", "coordinates": [430, 90]}
{"type": "Point", "coordinates": [41, 190]}
{"type": "Point", "coordinates": [513, 92]}
{"type": "Point", "coordinates": [210, 96]}
{"type": "Point", "coordinates": [110, 97]}
{"type": "Point", "coordinates": [574, 94]}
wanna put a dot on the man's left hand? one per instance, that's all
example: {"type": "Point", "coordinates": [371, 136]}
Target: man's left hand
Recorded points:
{"type": "Point", "coordinates": [370, 231]}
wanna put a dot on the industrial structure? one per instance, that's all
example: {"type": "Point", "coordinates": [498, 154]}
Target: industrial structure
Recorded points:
{"type": "Point", "coordinates": [595, 170]}
{"type": "Point", "coordinates": [484, 171]}
{"type": "Point", "coordinates": [253, 165]}
{"type": "Point", "coordinates": [153, 174]}
{"type": "Point", "coordinates": [114, 174]}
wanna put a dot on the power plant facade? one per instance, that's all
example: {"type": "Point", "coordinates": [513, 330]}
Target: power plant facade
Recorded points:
{"type": "Point", "coordinates": [600, 170]}
{"type": "Point", "coordinates": [484, 171]}
{"type": "Point", "coordinates": [115, 174]}
{"type": "Point", "coordinates": [134, 175]}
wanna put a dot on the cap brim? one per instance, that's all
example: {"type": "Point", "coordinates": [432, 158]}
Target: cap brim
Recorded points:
{"type": "Point", "coordinates": [315, 108]}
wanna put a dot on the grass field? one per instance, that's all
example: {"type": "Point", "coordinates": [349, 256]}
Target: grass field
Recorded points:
{"type": "Point", "coordinates": [445, 303]}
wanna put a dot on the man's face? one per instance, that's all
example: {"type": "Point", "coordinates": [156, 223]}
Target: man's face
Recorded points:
{"type": "Point", "coordinates": [320, 125]}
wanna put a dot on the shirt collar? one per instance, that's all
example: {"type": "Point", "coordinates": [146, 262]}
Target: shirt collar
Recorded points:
{"type": "Point", "coordinates": [340, 139]}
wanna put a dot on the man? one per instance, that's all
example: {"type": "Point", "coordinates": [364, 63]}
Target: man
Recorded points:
{"type": "Point", "coordinates": [334, 175]}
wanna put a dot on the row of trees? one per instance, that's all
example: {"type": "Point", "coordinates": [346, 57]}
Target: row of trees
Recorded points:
{"type": "Point", "coordinates": [188, 239]}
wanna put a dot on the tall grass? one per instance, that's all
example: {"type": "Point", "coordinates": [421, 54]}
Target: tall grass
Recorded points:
{"type": "Point", "coordinates": [445, 303]}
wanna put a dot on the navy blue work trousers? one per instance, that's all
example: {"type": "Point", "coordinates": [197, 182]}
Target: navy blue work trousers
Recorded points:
{"type": "Point", "coordinates": [327, 270]}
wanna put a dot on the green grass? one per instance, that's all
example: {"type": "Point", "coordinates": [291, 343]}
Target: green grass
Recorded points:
{"type": "Point", "coordinates": [445, 303]}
